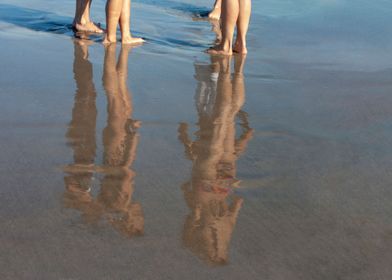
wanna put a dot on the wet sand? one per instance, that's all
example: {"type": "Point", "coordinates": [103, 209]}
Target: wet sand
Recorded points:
{"type": "Point", "coordinates": [160, 162]}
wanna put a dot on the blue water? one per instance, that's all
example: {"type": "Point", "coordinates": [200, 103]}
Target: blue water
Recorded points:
{"type": "Point", "coordinates": [324, 32]}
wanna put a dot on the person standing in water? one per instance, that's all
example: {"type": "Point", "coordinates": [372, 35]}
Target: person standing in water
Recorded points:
{"type": "Point", "coordinates": [235, 13]}
{"type": "Point", "coordinates": [119, 12]}
{"type": "Point", "coordinates": [82, 22]}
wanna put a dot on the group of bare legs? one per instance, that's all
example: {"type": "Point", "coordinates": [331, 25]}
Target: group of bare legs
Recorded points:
{"type": "Point", "coordinates": [231, 13]}
{"type": "Point", "coordinates": [118, 12]}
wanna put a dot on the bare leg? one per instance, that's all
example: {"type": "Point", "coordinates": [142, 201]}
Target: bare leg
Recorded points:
{"type": "Point", "coordinates": [126, 37]}
{"type": "Point", "coordinates": [242, 26]}
{"type": "Point", "coordinates": [216, 11]}
{"type": "Point", "coordinates": [82, 22]}
{"type": "Point", "coordinates": [85, 16]}
{"type": "Point", "coordinates": [217, 30]}
{"type": "Point", "coordinates": [80, 12]}
{"type": "Point", "coordinates": [120, 143]}
{"type": "Point", "coordinates": [113, 12]}
{"type": "Point", "coordinates": [230, 12]}
{"type": "Point", "coordinates": [90, 24]}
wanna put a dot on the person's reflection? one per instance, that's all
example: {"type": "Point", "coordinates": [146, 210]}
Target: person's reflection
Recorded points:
{"type": "Point", "coordinates": [81, 134]}
{"type": "Point", "coordinates": [214, 207]}
{"type": "Point", "coordinates": [120, 138]}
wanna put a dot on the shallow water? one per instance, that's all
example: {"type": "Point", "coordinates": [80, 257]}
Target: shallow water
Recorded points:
{"type": "Point", "coordinates": [160, 162]}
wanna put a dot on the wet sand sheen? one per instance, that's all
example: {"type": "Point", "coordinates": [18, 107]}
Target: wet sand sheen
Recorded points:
{"type": "Point", "coordinates": [161, 162]}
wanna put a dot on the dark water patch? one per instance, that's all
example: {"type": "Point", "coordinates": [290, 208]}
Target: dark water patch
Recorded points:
{"type": "Point", "coordinates": [35, 19]}
{"type": "Point", "coordinates": [38, 20]}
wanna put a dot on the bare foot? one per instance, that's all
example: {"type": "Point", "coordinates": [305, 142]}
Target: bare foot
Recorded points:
{"type": "Point", "coordinates": [87, 27]}
{"type": "Point", "coordinates": [96, 28]}
{"type": "Point", "coordinates": [240, 48]}
{"type": "Point", "coordinates": [218, 50]}
{"type": "Point", "coordinates": [129, 40]}
{"type": "Point", "coordinates": [83, 36]}
{"type": "Point", "coordinates": [108, 41]}
{"type": "Point", "coordinates": [215, 13]}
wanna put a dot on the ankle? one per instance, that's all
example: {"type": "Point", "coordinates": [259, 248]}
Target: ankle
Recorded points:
{"type": "Point", "coordinates": [240, 41]}
{"type": "Point", "coordinates": [84, 20]}
{"type": "Point", "coordinates": [126, 35]}
{"type": "Point", "coordinates": [226, 45]}
{"type": "Point", "coordinates": [110, 38]}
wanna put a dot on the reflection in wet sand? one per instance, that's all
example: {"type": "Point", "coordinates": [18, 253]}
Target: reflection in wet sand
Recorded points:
{"type": "Point", "coordinates": [214, 208]}
{"type": "Point", "coordinates": [120, 138]}
{"type": "Point", "coordinates": [81, 135]}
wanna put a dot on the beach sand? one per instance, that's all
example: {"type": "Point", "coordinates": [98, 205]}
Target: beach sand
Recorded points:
{"type": "Point", "coordinates": [106, 174]}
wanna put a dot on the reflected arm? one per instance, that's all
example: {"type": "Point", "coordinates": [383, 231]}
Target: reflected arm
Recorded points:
{"type": "Point", "coordinates": [242, 142]}
{"type": "Point", "coordinates": [186, 141]}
